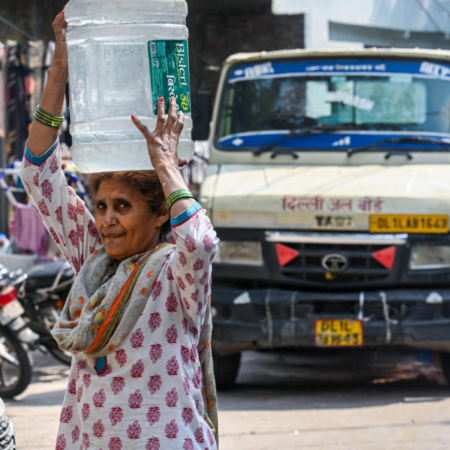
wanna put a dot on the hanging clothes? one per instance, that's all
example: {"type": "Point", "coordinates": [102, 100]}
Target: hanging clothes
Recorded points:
{"type": "Point", "coordinates": [28, 229]}
{"type": "Point", "coordinates": [35, 80]}
{"type": "Point", "coordinates": [16, 101]}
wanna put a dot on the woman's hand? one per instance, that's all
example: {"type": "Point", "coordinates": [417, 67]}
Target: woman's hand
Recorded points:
{"type": "Point", "coordinates": [163, 142]}
{"type": "Point", "coordinates": [60, 62]}
{"type": "Point", "coordinates": [162, 147]}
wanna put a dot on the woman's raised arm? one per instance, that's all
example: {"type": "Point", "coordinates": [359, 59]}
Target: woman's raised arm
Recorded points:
{"type": "Point", "coordinates": [42, 137]}
{"type": "Point", "coordinates": [66, 217]}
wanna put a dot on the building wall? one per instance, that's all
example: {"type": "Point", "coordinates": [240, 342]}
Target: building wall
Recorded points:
{"type": "Point", "coordinates": [221, 28]}
{"type": "Point", "coordinates": [35, 17]}
{"type": "Point", "coordinates": [386, 23]}
{"type": "Point", "coordinates": [218, 28]}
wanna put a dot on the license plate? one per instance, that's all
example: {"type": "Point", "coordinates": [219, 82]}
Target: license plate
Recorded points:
{"type": "Point", "coordinates": [339, 333]}
{"type": "Point", "coordinates": [10, 312]}
{"type": "Point", "coordinates": [409, 223]}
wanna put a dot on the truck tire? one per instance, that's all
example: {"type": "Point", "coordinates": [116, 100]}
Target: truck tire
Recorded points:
{"type": "Point", "coordinates": [444, 358]}
{"type": "Point", "coordinates": [226, 369]}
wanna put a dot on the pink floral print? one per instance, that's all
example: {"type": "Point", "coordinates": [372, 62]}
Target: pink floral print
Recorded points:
{"type": "Point", "coordinates": [150, 393]}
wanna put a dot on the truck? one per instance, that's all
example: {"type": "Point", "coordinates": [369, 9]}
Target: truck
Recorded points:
{"type": "Point", "coordinates": [329, 187]}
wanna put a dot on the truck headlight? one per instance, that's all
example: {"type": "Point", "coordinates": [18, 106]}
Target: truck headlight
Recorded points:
{"type": "Point", "coordinates": [239, 252]}
{"type": "Point", "coordinates": [429, 257]}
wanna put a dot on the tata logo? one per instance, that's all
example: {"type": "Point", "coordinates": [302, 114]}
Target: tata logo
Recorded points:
{"type": "Point", "coordinates": [334, 263]}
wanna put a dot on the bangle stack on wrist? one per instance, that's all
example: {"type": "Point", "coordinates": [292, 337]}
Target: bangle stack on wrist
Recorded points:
{"type": "Point", "coordinates": [176, 196]}
{"type": "Point", "coordinates": [47, 119]}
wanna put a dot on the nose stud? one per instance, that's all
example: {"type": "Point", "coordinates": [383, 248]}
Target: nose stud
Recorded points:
{"type": "Point", "coordinates": [113, 222]}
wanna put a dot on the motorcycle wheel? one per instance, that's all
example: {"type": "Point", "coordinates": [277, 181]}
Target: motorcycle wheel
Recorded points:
{"type": "Point", "coordinates": [15, 365]}
{"type": "Point", "coordinates": [60, 355]}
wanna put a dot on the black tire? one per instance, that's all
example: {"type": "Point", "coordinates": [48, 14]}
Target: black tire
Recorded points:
{"type": "Point", "coordinates": [226, 369]}
{"type": "Point", "coordinates": [60, 355]}
{"type": "Point", "coordinates": [23, 365]}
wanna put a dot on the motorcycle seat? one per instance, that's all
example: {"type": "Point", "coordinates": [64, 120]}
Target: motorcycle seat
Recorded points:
{"type": "Point", "coordinates": [43, 275]}
{"type": "Point", "coordinates": [48, 269]}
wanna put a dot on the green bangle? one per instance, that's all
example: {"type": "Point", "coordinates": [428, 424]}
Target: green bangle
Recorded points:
{"type": "Point", "coordinates": [38, 108]}
{"type": "Point", "coordinates": [47, 119]}
{"type": "Point", "coordinates": [45, 122]}
{"type": "Point", "coordinates": [176, 196]}
{"type": "Point", "coordinates": [180, 198]}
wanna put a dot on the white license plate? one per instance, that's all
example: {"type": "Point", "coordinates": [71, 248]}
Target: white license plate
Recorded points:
{"type": "Point", "coordinates": [10, 312]}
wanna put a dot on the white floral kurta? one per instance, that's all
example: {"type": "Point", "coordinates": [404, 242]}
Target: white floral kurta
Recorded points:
{"type": "Point", "coordinates": [149, 397]}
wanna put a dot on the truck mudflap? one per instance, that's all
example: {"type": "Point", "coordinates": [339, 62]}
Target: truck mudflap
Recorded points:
{"type": "Point", "coordinates": [275, 318]}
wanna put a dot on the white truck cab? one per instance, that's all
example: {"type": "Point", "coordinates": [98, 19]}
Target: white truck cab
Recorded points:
{"type": "Point", "coordinates": [329, 186]}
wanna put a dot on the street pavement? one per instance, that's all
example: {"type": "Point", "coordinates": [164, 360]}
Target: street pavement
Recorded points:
{"type": "Point", "coordinates": [284, 401]}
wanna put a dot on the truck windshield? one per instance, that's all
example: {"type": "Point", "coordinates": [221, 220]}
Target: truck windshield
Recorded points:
{"type": "Point", "coordinates": [277, 96]}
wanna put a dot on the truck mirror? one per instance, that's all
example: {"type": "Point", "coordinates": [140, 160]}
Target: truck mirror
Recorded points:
{"type": "Point", "coordinates": [201, 115]}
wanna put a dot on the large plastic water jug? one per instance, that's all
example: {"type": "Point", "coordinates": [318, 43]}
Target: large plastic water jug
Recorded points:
{"type": "Point", "coordinates": [123, 56]}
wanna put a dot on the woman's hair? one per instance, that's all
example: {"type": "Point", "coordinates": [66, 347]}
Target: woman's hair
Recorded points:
{"type": "Point", "coordinates": [146, 183]}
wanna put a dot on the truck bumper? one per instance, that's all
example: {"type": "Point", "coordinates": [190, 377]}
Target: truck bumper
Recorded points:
{"type": "Point", "coordinates": [274, 318]}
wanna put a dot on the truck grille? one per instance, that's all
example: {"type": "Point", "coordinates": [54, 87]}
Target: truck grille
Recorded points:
{"type": "Point", "coordinates": [361, 266]}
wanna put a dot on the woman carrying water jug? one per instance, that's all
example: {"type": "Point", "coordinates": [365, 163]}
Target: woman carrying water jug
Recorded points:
{"type": "Point", "coordinates": [138, 319]}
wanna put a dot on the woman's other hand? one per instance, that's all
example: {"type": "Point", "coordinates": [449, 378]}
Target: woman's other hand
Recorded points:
{"type": "Point", "coordinates": [163, 150]}
{"type": "Point", "coordinates": [60, 62]}
{"type": "Point", "coordinates": [163, 142]}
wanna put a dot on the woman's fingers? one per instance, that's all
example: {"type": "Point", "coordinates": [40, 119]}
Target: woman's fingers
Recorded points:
{"type": "Point", "coordinates": [142, 128]}
{"type": "Point", "coordinates": [179, 124]}
{"type": "Point", "coordinates": [57, 24]}
{"type": "Point", "coordinates": [182, 162]}
{"type": "Point", "coordinates": [162, 119]}
{"type": "Point", "coordinates": [172, 114]}
{"type": "Point", "coordinates": [60, 26]}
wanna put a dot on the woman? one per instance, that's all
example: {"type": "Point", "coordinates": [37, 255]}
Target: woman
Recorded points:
{"type": "Point", "coordinates": [138, 319]}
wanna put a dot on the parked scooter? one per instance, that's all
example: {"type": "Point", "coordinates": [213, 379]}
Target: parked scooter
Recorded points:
{"type": "Point", "coordinates": [16, 337]}
{"type": "Point", "coordinates": [46, 290]}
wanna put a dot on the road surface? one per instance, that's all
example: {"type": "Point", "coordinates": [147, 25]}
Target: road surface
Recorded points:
{"type": "Point", "coordinates": [290, 401]}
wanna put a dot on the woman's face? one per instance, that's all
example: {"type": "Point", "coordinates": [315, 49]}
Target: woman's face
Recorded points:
{"type": "Point", "coordinates": [126, 224]}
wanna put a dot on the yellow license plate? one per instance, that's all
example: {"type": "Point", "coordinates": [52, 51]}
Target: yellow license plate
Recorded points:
{"type": "Point", "coordinates": [409, 223]}
{"type": "Point", "coordinates": [339, 333]}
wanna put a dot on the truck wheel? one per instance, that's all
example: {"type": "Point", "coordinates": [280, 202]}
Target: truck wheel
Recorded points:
{"type": "Point", "coordinates": [226, 370]}
{"type": "Point", "coordinates": [444, 358]}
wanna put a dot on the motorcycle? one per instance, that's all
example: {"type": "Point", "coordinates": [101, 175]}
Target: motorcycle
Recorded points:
{"type": "Point", "coordinates": [46, 289]}
{"type": "Point", "coordinates": [16, 338]}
